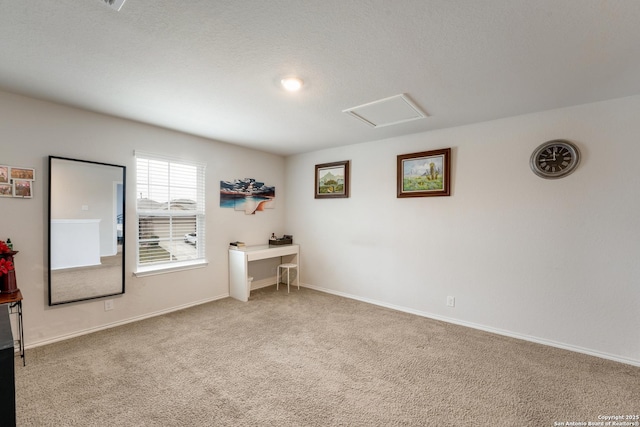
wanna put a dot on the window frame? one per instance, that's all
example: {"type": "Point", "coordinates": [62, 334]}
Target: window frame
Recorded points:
{"type": "Point", "coordinates": [199, 213]}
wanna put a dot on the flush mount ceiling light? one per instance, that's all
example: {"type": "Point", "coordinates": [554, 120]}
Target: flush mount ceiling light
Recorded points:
{"type": "Point", "coordinates": [291, 84]}
{"type": "Point", "coordinates": [386, 112]}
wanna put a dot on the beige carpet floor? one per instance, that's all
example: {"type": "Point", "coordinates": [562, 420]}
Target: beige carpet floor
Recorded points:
{"type": "Point", "coordinates": [313, 359]}
{"type": "Point", "coordinates": [73, 284]}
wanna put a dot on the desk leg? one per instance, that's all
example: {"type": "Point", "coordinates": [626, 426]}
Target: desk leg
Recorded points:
{"type": "Point", "coordinates": [18, 307]}
{"type": "Point", "coordinates": [238, 275]}
{"type": "Point", "coordinates": [297, 261]}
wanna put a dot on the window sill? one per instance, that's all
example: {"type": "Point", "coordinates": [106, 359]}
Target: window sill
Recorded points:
{"type": "Point", "coordinates": [174, 267]}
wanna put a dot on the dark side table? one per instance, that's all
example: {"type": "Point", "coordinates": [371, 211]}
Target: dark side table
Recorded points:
{"type": "Point", "coordinates": [7, 371]}
{"type": "Point", "coordinates": [14, 301]}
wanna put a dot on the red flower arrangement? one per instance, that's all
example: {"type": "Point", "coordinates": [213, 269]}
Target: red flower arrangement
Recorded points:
{"type": "Point", "coordinates": [5, 266]}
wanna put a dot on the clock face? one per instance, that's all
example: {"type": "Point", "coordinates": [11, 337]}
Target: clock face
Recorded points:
{"type": "Point", "coordinates": [555, 159]}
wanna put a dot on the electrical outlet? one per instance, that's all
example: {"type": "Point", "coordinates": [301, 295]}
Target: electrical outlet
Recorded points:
{"type": "Point", "coordinates": [108, 305]}
{"type": "Point", "coordinates": [451, 301]}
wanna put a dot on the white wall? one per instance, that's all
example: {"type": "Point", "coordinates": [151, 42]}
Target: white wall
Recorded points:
{"type": "Point", "coordinates": [551, 261]}
{"type": "Point", "coordinates": [554, 261]}
{"type": "Point", "coordinates": [31, 130]}
{"type": "Point", "coordinates": [90, 186]}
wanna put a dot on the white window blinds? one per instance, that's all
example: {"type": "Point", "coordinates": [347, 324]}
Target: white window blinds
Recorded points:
{"type": "Point", "coordinates": [170, 211]}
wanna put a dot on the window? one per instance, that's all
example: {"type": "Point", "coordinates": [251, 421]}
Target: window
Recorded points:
{"type": "Point", "coordinates": [170, 211]}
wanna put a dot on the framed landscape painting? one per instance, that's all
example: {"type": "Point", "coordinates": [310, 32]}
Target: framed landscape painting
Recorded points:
{"type": "Point", "coordinates": [332, 180]}
{"type": "Point", "coordinates": [424, 174]}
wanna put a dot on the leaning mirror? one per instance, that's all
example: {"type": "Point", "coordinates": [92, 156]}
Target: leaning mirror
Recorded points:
{"type": "Point", "coordinates": [86, 230]}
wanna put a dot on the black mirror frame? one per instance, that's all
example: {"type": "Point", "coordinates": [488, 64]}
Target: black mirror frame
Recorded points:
{"type": "Point", "coordinates": [124, 216]}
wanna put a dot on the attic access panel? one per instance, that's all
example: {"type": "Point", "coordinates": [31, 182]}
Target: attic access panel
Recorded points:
{"type": "Point", "coordinates": [114, 4]}
{"type": "Point", "coordinates": [388, 111]}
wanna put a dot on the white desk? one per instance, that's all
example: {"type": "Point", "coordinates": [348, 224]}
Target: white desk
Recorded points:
{"type": "Point", "coordinates": [239, 265]}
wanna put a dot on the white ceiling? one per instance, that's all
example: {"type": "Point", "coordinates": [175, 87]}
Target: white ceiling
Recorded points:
{"type": "Point", "coordinates": [211, 67]}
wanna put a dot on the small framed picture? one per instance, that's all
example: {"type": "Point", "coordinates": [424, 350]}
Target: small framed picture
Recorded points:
{"type": "Point", "coordinates": [23, 173]}
{"type": "Point", "coordinates": [424, 174]}
{"type": "Point", "coordinates": [22, 188]}
{"type": "Point", "coordinates": [4, 174]}
{"type": "Point", "coordinates": [6, 190]}
{"type": "Point", "coordinates": [332, 180]}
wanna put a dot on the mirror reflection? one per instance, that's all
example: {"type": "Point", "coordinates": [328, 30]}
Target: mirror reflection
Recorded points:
{"type": "Point", "coordinates": [86, 230]}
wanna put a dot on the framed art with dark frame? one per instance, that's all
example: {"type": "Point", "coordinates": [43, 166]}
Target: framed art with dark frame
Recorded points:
{"type": "Point", "coordinates": [424, 174]}
{"type": "Point", "coordinates": [332, 180]}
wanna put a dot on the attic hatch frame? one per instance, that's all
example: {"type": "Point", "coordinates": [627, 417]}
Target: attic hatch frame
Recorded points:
{"type": "Point", "coordinates": [397, 108]}
{"type": "Point", "coordinates": [114, 4]}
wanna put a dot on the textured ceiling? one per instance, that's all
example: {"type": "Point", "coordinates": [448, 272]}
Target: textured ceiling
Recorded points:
{"type": "Point", "coordinates": [211, 68]}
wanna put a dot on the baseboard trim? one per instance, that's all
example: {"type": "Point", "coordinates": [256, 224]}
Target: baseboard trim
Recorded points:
{"type": "Point", "coordinates": [480, 327]}
{"type": "Point", "coordinates": [263, 283]}
{"type": "Point", "coordinates": [268, 282]}
{"type": "Point", "coordinates": [122, 322]}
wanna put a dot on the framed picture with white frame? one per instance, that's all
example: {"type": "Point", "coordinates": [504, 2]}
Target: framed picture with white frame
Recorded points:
{"type": "Point", "coordinates": [23, 188]}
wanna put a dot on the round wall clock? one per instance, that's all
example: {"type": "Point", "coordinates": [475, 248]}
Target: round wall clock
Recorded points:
{"type": "Point", "coordinates": [555, 159]}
